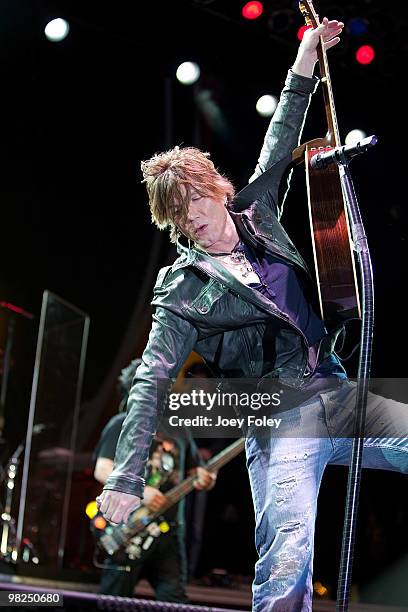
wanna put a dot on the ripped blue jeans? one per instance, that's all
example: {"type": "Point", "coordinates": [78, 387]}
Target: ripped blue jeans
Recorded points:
{"type": "Point", "coordinates": [285, 475]}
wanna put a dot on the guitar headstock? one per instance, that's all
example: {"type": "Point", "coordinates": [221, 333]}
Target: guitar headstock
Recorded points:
{"type": "Point", "coordinates": [308, 11]}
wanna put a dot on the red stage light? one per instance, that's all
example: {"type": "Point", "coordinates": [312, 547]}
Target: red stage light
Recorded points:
{"type": "Point", "coordinates": [252, 10]}
{"type": "Point", "coordinates": [302, 30]}
{"type": "Point", "coordinates": [365, 54]}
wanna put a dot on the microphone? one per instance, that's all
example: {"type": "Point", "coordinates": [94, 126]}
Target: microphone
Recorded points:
{"type": "Point", "coordinates": [341, 155]}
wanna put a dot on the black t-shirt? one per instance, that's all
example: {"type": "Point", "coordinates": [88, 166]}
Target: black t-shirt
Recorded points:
{"type": "Point", "coordinates": [169, 459]}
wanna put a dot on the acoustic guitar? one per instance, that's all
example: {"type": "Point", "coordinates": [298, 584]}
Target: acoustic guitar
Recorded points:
{"type": "Point", "coordinates": [332, 244]}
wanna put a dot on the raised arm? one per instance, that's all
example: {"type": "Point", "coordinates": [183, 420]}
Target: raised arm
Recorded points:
{"type": "Point", "coordinates": [285, 129]}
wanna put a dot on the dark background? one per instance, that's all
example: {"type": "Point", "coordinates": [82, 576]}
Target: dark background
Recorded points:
{"type": "Point", "coordinates": [78, 116]}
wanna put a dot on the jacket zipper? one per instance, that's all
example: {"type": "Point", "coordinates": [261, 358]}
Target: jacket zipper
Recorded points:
{"type": "Point", "coordinates": [281, 247]}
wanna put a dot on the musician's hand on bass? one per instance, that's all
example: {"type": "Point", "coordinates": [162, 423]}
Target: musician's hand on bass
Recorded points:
{"type": "Point", "coordinates": [153, 499]}
{"type": "Point", "coordinates": [117, 506]}
{"type": "Point", "coordinates": [205, 480]}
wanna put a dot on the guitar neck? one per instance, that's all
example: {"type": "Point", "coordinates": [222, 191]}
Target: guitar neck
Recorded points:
{"type": "Point", "coordinates": [186, 486]}
{"type": "Point", "coordinates": [333, 136]}
{"type": "Point", "coordinates": [136, 524]}
{"type": "Point", "coordinates": [217, 462]}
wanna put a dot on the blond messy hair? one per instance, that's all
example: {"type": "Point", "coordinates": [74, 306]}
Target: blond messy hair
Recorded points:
{"type": "Point", "coordinates": [169, 178]}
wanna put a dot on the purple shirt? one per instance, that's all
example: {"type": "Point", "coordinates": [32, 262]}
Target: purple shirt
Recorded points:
{"type": "Point", "coordinates": [280, 284]}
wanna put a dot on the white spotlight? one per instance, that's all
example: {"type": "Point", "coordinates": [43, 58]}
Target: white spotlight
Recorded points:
{"type": "Point", "coordinates": [266, 105]}
{"type": "Point", "coordinates": [188, 73]}
{"type": "Point", "coordinates": [56, 30]}
{"type": "Point", "coordinates": [354, 136]}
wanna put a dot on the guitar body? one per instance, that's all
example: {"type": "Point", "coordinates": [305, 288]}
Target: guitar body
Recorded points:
{"type": "Point", "coordinates": [148, 528]}
{"type": "Point", "coordinates": [332, 248]}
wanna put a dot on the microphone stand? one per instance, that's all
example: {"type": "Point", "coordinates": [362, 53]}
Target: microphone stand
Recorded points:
{"type": "Point", "coordinates": [8, 547]}
{"type": "Point", "coordinates": [7, 522]}
{"type": "Point", "coordinates": [364, 366]}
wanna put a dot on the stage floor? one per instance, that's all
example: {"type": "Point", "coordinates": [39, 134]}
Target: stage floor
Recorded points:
{"type": "Point", "coordinates": [236, 597]}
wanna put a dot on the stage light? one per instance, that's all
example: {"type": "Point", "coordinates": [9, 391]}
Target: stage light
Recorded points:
{"type": "Point", "coordinates": [301, 31]}
{"type": "Point", "coordinates": [354, 136]}
{"type": "Point", "coordinates": [164, 527]}
{"type": "Point", "coordinates": [99, 523]}
{"type": "Point", "coordinates": [252, 10]}
{"type": "Point", "coordinates": [357, 26]}
{"type": "Point", "coordinates": [266, 105]}
{"type": "Point", "coordinates": [91, 509]}
{"type": "Point", "coordinates": [365, 54]}
{"type": "Point", "coordinates": [320, 589]}
{"type": "Point", "coordinates": [188, 73]}
{"type": "Point", "coordinates": [56, 30]}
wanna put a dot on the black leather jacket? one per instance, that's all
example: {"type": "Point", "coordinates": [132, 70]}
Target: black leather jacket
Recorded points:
{"type": "Point", "coordinates": [200, 306]}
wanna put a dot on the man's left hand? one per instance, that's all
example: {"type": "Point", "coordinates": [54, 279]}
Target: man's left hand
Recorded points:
{"type": "Point", "coordinates": [205, 480]}
{"type": "Point", "coordinates": [329, 32]}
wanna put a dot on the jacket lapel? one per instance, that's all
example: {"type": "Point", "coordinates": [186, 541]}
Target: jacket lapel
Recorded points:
{"type": "Point", "coordinates": [247, 228]}
{"type": "Point", "coordinates": [212, 268]}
